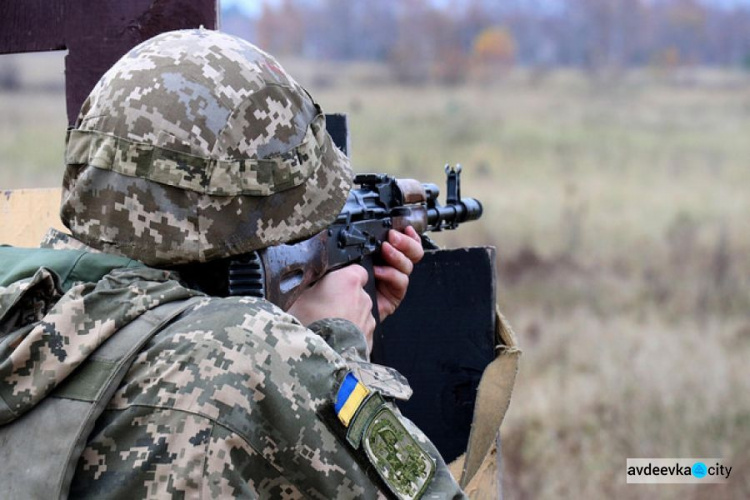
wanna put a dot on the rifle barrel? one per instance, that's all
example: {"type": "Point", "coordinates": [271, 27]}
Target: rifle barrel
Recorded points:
{"type": "Point", "coordinates": [450, 216]}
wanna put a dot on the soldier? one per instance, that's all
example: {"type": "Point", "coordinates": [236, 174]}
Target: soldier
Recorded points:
{"type": "Point", "coordinates": [198, 146]}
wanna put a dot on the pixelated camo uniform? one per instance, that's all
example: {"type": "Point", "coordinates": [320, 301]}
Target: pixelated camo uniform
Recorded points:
{"type": "Point", "coordinates": [232, 399]}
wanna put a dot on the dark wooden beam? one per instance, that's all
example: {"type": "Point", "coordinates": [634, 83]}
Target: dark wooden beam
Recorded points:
{"type": "Point", "coordinates": [337, 125]}
{"type": "Point", "coordinates": [31, 26]}
{"type": "Point", "coordinates": [95, 33]}
{"type": "Point", "coordinates": [99, 33]}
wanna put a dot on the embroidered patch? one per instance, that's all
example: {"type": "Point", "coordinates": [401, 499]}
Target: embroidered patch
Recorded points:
{"type": "Point", "coordinates": [367, 410]}
{"type": "Point", "coordinates": [349, 398]}
{"type": "Point", "coordinates": [402, 463]}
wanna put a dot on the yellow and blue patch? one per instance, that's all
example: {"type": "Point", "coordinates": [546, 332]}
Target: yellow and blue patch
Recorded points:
{"type": "Point", "coordinates": [349, 398]}
{"type": "Point", "coordinates": [371, 424]}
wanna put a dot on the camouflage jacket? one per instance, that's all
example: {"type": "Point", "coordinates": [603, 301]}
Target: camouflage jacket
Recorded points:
{"type": "Point", "coordinates": [234, 398]}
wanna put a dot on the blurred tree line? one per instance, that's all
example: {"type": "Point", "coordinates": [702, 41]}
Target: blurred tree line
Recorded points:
{"type": "Point", "coordinates": [450, 40]}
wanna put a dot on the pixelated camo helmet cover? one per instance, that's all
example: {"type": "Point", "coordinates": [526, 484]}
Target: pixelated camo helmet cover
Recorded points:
{"type": "Point", "coordinates": [198, 145]}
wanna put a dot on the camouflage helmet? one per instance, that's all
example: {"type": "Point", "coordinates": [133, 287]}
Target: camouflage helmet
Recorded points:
{"type": "Point", "coordinates": [197, 145]}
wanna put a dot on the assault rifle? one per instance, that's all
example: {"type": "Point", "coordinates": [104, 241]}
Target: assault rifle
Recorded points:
{"type": "Point", "coordinates": [380, 203]}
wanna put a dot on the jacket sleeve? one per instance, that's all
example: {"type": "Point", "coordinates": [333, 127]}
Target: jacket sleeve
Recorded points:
{"type": "Point", "coordinates": [342, 336]}
{"type": "Point", "coordinates": [237, 399]}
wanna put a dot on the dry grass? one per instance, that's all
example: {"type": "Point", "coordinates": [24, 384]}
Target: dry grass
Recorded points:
{"type": "Point", "coordinates": [621, 212]}
{"type": "Point", "coordinates": [33, 122]}
{"type": "Point", "coordinates": [622, 217]}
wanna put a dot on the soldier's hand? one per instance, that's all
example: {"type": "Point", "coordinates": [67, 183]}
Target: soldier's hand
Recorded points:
{"type": "Point", "coordinates": [339, 294]}
{"type": "Point", "coordinates": [400, 253]}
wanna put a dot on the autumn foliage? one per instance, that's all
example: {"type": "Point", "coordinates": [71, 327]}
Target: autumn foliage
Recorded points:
{"type": "Point", "coordinates": [495, 46]}
{"type": "Point", "coordinates": [452, 41]}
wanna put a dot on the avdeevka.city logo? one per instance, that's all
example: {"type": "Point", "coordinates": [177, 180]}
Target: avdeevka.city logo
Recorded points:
{"type": "Point", "coordinates": [699, 470]}
{"type": "Point", "coordinates": [678, 470]}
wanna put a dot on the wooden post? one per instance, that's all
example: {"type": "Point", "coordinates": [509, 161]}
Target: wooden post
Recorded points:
{"type": "Point", "coordinates": [95, 34]}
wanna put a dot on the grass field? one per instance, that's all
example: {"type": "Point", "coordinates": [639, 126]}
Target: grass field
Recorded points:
{"type": "Point", "coordinates": [620, 208]}
{"type": "Point", "coordinates": [621, 212]}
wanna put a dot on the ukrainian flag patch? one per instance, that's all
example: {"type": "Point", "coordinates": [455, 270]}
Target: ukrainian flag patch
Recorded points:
{"type": "Point", "coordinates": [349, 398]}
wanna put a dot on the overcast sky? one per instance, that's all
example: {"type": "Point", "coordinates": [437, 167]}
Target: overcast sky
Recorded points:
{"type": "Point", "coordinates": [252, 7]}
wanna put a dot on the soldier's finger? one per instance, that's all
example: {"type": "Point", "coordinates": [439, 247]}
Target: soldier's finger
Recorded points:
{"type": "Point", "coordinates": [396, 258]}
{"type": "Point", "coordinates": [412, 233]}
{"type": "Point", "coordinates": [392, 286]}
{"type": "Point", "coordinates": [358, 274]}
{"type": "Point", "coordinates": [408, 244]}
{"type": "Point", "coordinates": [391, 282]}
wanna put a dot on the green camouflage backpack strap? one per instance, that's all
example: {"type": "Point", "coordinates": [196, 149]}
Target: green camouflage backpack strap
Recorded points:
{"type": "Point", "coordinates": [43, 467]}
